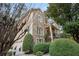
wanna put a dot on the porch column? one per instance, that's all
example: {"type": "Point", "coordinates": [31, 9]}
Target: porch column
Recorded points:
{"type": "Point", "coordinates": [51, 33]}
{"type": "Point", "coordinates": [50, 22]}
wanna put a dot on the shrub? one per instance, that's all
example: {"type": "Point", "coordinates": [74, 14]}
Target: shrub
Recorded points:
{"type": "Point", "coordinates": [64, 47]}
{"type": "Point", "coordinates": [9, 53]}
{"type": "Point", "coordinates": [27, 43]}
{"type": "Point", "coordinates": [39, 53]}
{"type": "Point", "coordinates": [43, 47]}
{"type": "Point", "coordinates": [65, 35]}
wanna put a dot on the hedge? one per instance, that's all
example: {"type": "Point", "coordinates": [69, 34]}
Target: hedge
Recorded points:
{"type": "Point", "coordinates": [43, 47]}
{"type": "Point", "coordinates": [64, 47]}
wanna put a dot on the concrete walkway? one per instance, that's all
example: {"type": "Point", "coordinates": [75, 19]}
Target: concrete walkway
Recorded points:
{"type": "Point", "coordinates": [32, 55]}
{"type": "Point", "coordinates": [23, 54]}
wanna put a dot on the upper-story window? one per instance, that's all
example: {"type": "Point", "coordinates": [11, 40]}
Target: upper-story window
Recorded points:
{"type": "Point", "coordinates": [39, 17]}
{"type": "Point", "coordinates": [39, 30]}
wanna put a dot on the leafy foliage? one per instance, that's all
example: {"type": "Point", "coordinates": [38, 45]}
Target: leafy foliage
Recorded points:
{"type": "Point", "coordinates": [67, 15]}
{"type": "Point", "coordinates": [39, 53]}
{"type": "Point", "coordinates": [28, 43]}
{"type": "Point", "coordinates": [43, 47]}
{"type": "Point", "coordinates": [63, 12]}
{"type": "Point", "coordinates": [73, 29]}
{"type": "Point", "coordinates": [64, 47]}
{"type": "Point", "coordinates": [65, 35]}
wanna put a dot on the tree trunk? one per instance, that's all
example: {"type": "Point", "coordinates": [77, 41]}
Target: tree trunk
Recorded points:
{"type": "Point", "coordinates": [76, 37]}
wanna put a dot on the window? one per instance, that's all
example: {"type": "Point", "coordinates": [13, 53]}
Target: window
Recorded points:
{"type": "Point", "coordinates": [28, 29]}
{"type": "Point", "coordinates": [39, 40]}
{"type": "Point", "coordinates": [20, 49]}
{"type": "Point", "coordinates": [14, 53]}
{"type": "Point", "coordinates": [39, 30]}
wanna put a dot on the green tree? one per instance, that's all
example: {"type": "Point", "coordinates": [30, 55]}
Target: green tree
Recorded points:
{"type": "Point", "coordinates": [28, 43]}
{"type": "Point", "coordinates": [66, 14]}
{"type": "Point", "coordinates": [73, 29]}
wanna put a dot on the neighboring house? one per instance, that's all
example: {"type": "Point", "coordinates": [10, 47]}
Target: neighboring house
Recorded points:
{"type": "Point", "coordinates": [37, 25]}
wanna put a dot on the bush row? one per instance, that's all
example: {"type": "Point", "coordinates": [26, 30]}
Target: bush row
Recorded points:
{"type": "Point", "coordinates": [61, 47]}
{"type": "Point", "coordinates": [42, 47]}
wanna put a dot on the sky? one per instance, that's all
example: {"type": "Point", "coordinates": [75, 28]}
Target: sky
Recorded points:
{"type": "Point", "coordinates": [42, 6]}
